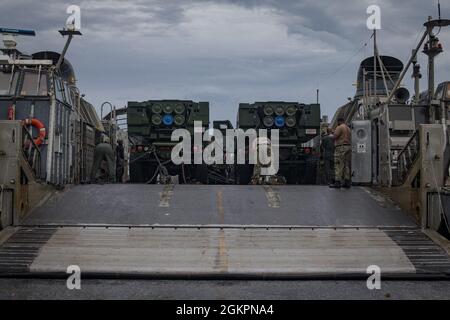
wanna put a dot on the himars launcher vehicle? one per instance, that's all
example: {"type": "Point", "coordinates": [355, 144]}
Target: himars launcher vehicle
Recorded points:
{"type": "Point", "coordinates": [150, 127]}
{"type": "Point", "coordinates": [297, 123]}
{"type": "Point", "coordinates": [151, 123]}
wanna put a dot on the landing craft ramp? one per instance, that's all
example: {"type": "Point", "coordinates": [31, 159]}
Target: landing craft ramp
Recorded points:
{"type": "Point", "coordinates": [220, 232]}
{"type": "Point", "coordinates": [141, 204]}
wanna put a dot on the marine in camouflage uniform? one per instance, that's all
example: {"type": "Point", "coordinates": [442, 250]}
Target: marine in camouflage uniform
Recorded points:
{"type": "Point", "coordinates": [257, 177]}
{"type": "Point", "coordinates": [342, 155]}
{"type": "Point", "coordinates": [104, 152]}
{"type": "Point", "coordinates": [342, 163]}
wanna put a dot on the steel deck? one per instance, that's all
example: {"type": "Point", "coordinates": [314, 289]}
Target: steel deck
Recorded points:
{"type": "Point", "coordinates": [135, 204]}
{"type": "Point", "coordinates": [261, 253]}
{"type": "Point", "coordinates": [195, 231]}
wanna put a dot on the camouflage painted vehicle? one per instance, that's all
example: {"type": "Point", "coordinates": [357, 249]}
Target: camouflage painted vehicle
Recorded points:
{"type": "Point", "coordinates": [150, 127]}
{"type": "Point", "coordinates": [298, 124]}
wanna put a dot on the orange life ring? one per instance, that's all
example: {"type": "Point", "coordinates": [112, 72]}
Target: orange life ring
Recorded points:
{"type": "Point", "coordinates": [38, 125]}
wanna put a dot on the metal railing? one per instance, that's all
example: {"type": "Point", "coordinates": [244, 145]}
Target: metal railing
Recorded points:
{"type": "Point", "coordinates": [31, 152]}
{"type": "Point", "coordinates": [407, 156]}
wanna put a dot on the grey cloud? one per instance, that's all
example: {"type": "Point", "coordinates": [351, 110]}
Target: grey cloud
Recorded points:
{"type": "Point", "coordinates": [140, 49]}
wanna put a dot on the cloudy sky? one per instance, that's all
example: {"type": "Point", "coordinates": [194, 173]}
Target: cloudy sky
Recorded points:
{"type": "Point", "coordinates": [225, 51]}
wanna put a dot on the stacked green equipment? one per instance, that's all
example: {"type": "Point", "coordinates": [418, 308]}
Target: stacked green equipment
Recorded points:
{"type": "Point", "coordinates": [150, 127]}
{"type": "Point", "coordinates": [298, 124]}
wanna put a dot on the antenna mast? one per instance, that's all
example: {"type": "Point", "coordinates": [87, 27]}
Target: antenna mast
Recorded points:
{"type": "Point", "coordinates": [69, 33]}
{"type": "Point", "coordinates": [374, 63]}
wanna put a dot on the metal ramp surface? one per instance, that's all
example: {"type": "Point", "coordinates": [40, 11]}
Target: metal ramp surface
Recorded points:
{"type": "Point", "coordinates": [228, 252]}
{"type": "Point", "coordinates": [195, 231]}
{"type": "Point", "coordinates": [134, 204]}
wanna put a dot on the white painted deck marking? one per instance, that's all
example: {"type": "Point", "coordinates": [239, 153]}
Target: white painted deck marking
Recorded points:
{"type": "Point", "coordinates": [273, 198]}
{"type": "Point", "coordinates": [166, 195]}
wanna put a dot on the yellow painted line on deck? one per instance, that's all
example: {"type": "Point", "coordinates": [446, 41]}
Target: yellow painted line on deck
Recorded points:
{"type": "Point", "coordinates": [221, 261]}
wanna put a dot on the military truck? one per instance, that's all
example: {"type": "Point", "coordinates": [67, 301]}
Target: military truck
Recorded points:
{"type": "Point", "coordinates": [297, 123]}
{"type": "Point", "coordinates": [150, 127]}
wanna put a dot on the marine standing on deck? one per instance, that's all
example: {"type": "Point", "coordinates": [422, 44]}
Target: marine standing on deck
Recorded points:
{"type": "Point", "coordinates": [104, 152]}
{"type": "Point", "coordinates": [327, 149]}
{"type": "Point", "coordinates": [342, 155]}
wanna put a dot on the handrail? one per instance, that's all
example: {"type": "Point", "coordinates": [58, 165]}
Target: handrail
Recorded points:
{"type": "Point", "coordinates": [407, 156]}
{"type": "Point", "coordinates": [31, 152]}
